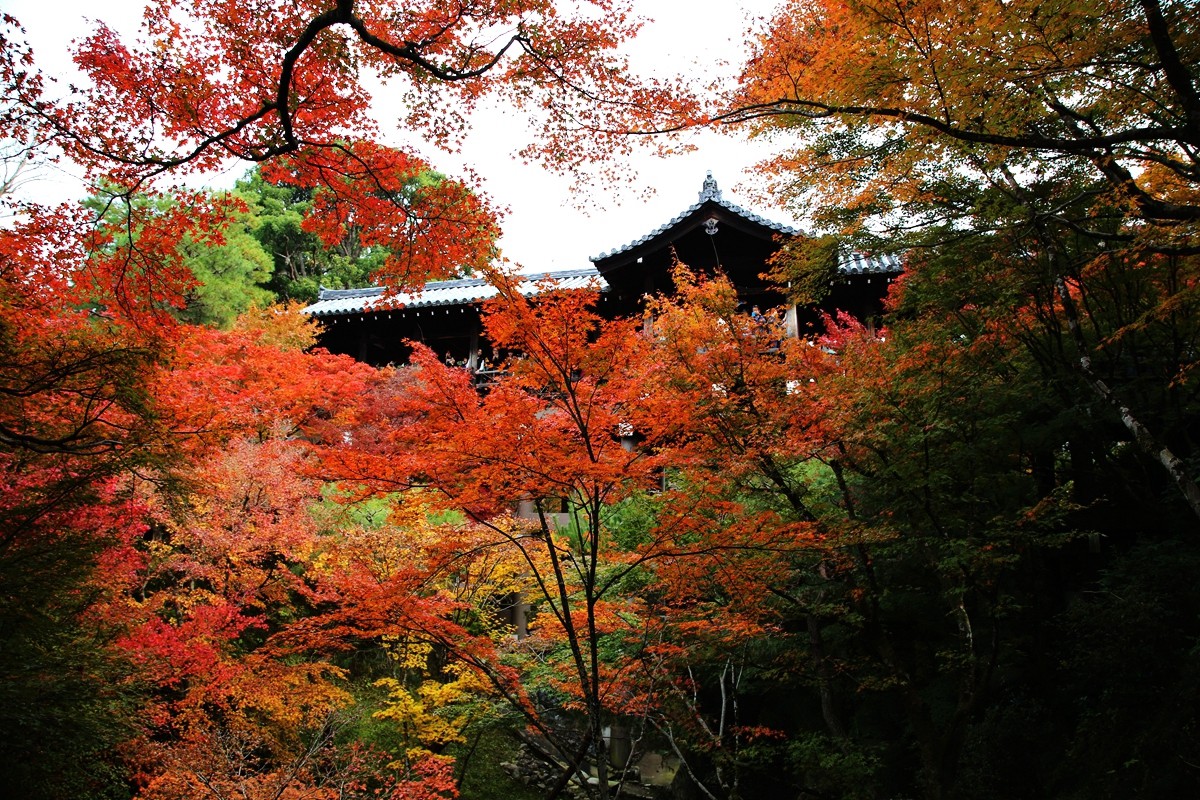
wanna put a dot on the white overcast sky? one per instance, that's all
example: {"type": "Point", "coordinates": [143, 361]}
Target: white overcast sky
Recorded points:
{"type": "Point", "coordinates": [549, 224]}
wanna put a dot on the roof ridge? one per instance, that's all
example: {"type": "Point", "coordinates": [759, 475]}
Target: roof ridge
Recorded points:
{"type": "Point", "coordinates": [709, 193]}
{"type": "Point", "coordinates": [325, 293]}
{"type": "Point", "coordinates": [444, 293]}
{"type": "Point", "coordinates": [454, 283]}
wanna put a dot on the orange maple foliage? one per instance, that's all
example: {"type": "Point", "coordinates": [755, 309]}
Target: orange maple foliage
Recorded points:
{"type": "Point", "coordinates": [257, 380]}
{"type": "Point", "coordinates": [212, 80]}
{"type": "Point", "coordinates": [726, 407]}
{"type": "Point", "coordinates": [984, 85]}
{"type": "Point", "coordinates": [209, 82]}
{"type": "Point", "coordinates": [225, 561]}
{"type": "Point", "coordinates": [431, 230]}
{"type": "Point", "coordinates": [548, 427]}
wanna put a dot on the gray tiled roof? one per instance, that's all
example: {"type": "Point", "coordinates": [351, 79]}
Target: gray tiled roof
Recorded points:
{"type": "Point", "coordinates": [708, 193]}
{"type": "Point", "coordinates": [331, 302]}
{"type": "Point", "coordinates": [861, 264]}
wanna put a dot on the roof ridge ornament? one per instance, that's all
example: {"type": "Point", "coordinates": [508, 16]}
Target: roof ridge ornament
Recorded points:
{"type": "Point", "coordinates": [709, 190]}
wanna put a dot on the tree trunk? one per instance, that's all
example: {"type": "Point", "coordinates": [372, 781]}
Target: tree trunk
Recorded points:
{"type": "Point", "coordinates": [1143, 438]}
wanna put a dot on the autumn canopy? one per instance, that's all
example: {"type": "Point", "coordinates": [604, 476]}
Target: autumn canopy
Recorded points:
{"type": "Point", "coordinates": [945, 551]}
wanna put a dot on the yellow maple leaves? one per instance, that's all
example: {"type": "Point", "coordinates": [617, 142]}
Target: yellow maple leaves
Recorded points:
{"type": "Point", "coordinates": [433, 713]}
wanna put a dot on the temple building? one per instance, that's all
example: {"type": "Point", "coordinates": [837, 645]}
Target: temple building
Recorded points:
{"type": "Point", "coordinates": [711, 236]}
